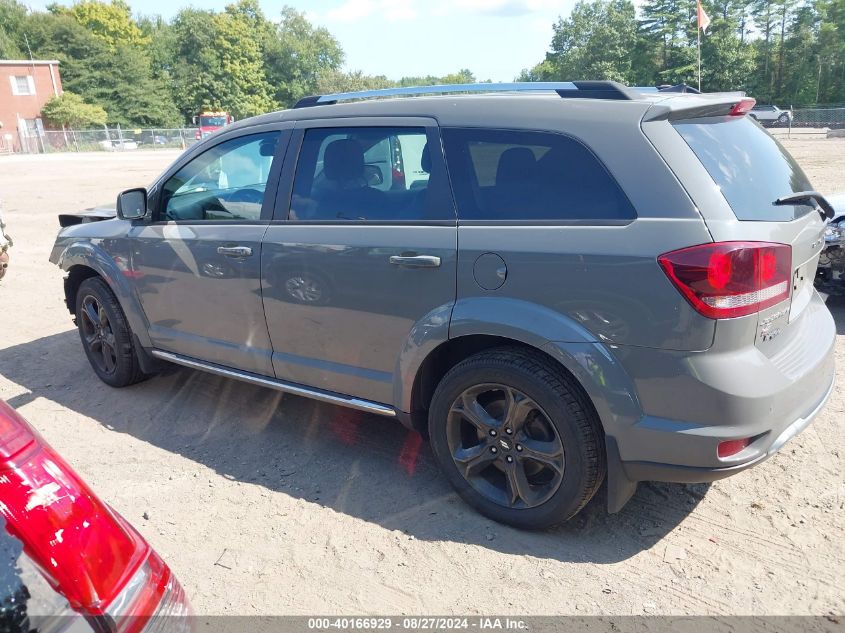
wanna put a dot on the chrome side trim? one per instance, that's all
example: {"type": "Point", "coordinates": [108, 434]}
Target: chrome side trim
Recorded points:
{"type": "Point", "coordinates": [279, 385]}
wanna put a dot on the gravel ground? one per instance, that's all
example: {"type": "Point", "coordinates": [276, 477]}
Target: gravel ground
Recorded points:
{"type": "Point", "coordinates": [271, 504]}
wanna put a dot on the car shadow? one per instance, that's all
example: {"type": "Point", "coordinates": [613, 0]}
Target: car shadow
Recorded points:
{"type": "Point", "coordinates": [359, 464]}
{"type": "Point", "coordinates": [836, 305]}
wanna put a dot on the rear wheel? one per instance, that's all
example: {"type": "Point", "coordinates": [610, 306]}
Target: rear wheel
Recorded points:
{"type": "Point", "coordinates": [105, 335]}
{"type": "Point", "coordinates": [517, 438]}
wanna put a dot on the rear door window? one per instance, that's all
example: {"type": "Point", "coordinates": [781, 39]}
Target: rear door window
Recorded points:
{"type": "Point", "coordinates": [750, 167]}
{"type": "Point", "coordinates": [369, 174]}
{"type": "Point", "coordinates": [527, 175]}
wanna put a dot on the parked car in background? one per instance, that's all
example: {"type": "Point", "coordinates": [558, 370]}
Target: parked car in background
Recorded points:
{"type": "Point", "coordinates": [67, 560]}
{"type": "Point", "coordinates": [116, 145]}
{"type": "Point", "coordinates": [771, 115]}
{"type": "Point", "coordinates": [558, 284]}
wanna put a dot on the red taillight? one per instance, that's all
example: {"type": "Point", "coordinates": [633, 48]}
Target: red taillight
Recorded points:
{"type": "Point", "coordinates": [730, 279]}
{"type": "Point", "coordinates": [15, 433]}
{"type": "Point", "coordinates": [732, 447]}
{"type": "Point", "coordinates": [151, 598]}
{"type": "Point", "coordinates": [86, 551]}
{"type": "Point", "coordinates": [742, 108]}
{"type": "Point", "coordinates": [398, 179]}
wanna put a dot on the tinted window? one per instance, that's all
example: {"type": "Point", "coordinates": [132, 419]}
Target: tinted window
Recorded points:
{"type": "Point", "coordinates": [368, 174]}
{"type": "Point", "coordinates": [225, 182]}
{"type": "Point", "coordinates": [749, 166]}
{"type": "Point", "coordinates": [515, 175]}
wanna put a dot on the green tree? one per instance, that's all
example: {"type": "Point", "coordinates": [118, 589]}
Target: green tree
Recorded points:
{"type": "Point", "coordinates": [332, 81]}
{"type": "Point", "coordinates": [670, 26]}
{"type": "Point", "coordinates": [727, 60]}
{"type": "Point", "coordinates": [597, 41]}
{"type": "Point", "coordinates": [116, 76]}
{"type": "Point", "coordinates": [298, 56]}
{"type": "Point", "coordinates": [218, 61]}
{"type": "Point", "coordinates": [69, 109]}
{"type": "Point", "coordinates": [12, 18]}
{"type": "Point", "coordinates": [111, 22]}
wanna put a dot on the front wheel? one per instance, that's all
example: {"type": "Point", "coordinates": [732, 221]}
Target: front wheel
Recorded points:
{"type": "Point", "coordinates": [783, 119]}
{"type": "Point", "coordinates": [517, 438]}
{"type": "Point", "coordinates": [105, 335]}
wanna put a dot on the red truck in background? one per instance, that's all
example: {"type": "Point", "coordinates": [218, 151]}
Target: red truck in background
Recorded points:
{"type": "Point", "coordinates": [210, 122]}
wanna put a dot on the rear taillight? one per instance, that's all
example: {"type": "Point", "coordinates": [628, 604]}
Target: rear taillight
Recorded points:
{"type": "Point", "coordinates": [730, 279]}
{"type": "Point", "coordinates": [151, 598]}
{"type": "Point", "coordinates": [742, 108]}
{"type": "Point", "coordinates": [85, 550]}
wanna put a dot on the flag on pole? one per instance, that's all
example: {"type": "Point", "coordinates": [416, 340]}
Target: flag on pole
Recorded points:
{"type": "Point", "coordinates": [703, 18]}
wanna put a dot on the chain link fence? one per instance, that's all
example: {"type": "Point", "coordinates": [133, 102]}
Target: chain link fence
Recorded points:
{"type": "Point", "coordinates": [830, 118]}
{"type": "Point", "coordinates": [811, 123]}
{"type": "Point", "coordinates": [106, 140]}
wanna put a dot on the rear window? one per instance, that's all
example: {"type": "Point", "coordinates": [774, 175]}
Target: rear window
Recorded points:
{"type": "Point", "coordinates": [527, 175]}
{"type": "Point", "coordinates": [750, 167]}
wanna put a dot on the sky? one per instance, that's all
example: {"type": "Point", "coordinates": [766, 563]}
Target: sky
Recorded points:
{"type": "Point", "coordinates": [495, 39]}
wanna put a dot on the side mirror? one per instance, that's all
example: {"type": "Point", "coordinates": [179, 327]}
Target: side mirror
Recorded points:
{"type": "Point", "coordinates": [132, 204]}
{"type": "Point", "coordinates": [194, 120]}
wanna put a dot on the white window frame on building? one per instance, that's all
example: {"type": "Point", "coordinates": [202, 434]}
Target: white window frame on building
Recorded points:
{"type": "Point", "coordinates": [16, 85]}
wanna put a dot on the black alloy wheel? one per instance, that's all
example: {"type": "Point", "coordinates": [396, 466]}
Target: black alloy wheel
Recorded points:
{"type": "Point", "coordinates": [98, 335]}
{"type": "Point", "coordinates": [505, 446]}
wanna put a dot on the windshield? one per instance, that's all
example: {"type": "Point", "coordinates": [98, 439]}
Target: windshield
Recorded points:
{"type": "Point", "coordinates": [750, 167]}
{"type": "Point", "coordinates": [212, 121]}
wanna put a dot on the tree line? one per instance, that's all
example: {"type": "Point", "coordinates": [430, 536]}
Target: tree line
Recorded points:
{"type": "Point", "coordinates": [149, 72]}
{"type": "Point", "coordinates": [787, 52]}
{"type": "Point", "coordinates": [145, 71]}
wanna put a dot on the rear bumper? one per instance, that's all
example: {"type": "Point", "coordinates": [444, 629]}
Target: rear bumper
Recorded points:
{"type": "Point", "coordinates": [680, 405]}
{"type": "Point", "coordinates": [692, 401]}
{"type": "Point", "coordinates": [652, 471]}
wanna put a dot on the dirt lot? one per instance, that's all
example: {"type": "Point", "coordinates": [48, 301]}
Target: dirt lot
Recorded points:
{"type": "Point", "coordinates": [271, 504]}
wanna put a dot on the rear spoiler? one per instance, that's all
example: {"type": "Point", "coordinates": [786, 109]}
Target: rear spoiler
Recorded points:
{"type": "Point", "coordinates": [694, 106]}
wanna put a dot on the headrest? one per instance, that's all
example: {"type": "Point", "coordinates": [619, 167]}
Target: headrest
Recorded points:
{"type": "Point", "coordinates": [425, 160]}
{"type": "Point", "coordinates": [343, 160]}
{"type": "Point", "coordinates": [514, 164]}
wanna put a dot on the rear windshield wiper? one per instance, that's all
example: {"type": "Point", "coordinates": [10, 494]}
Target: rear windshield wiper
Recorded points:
{"type": "Point", "coordinates": [803, 197]}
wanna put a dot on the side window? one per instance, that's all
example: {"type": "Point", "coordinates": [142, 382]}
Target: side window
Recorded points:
{"type": "Point", "coordinates": [360, 174]}
{"type": "Point", "coordinates": [524, 175]}
{"type": "Point", "coordinates": [225, 182]}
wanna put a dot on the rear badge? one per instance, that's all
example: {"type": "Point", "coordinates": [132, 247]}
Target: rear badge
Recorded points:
{"type": "Point", "coordinates": [767, 331]}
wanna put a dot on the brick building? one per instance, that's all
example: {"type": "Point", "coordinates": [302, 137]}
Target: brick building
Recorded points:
{"type": "Point", "coordinates": [25, 86]}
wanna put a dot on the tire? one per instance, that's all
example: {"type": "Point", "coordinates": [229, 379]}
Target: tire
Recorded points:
{"type": "Point", "coordinates": [783, 119]}
{"type": "Point", "coordinates": [105, 335]}
{"type": "Point", "coordinates": [547, 468]}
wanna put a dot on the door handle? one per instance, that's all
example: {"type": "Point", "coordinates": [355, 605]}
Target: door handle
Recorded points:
{"type": "Point", "coordinates": [234, 251]}
{"type": "Point", "coordinates": [415, 261]}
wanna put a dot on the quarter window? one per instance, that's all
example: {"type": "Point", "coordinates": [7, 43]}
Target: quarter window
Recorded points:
{"type": "Point", "coordinates": [524, 175]}
{"type": "Point", "coordinates": [368, 174]}
{"type": "Point", "coordinates": [226, 182]}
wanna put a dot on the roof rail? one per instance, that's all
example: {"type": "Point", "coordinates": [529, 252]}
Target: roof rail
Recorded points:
{"type": "Point", "coordinates": [566, 89]}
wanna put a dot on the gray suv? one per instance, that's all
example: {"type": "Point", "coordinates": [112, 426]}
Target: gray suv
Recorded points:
{"type": "Point", "coordinates": [559, 284]}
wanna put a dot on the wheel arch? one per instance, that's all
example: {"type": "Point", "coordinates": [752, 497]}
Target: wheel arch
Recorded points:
{"type": "Point", "coordinates": [82, 261]}
{"type": "Point", "coordinates": [605, 387]}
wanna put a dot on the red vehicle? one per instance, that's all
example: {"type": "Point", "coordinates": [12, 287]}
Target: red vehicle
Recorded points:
{"type": "Point", "coordinates": [210, 122]}
{"type": "Point", "coordinates": [98, 569]}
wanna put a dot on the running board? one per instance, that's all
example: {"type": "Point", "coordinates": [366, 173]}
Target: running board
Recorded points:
{"type": "Point", "coordinates": [279, 385]}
